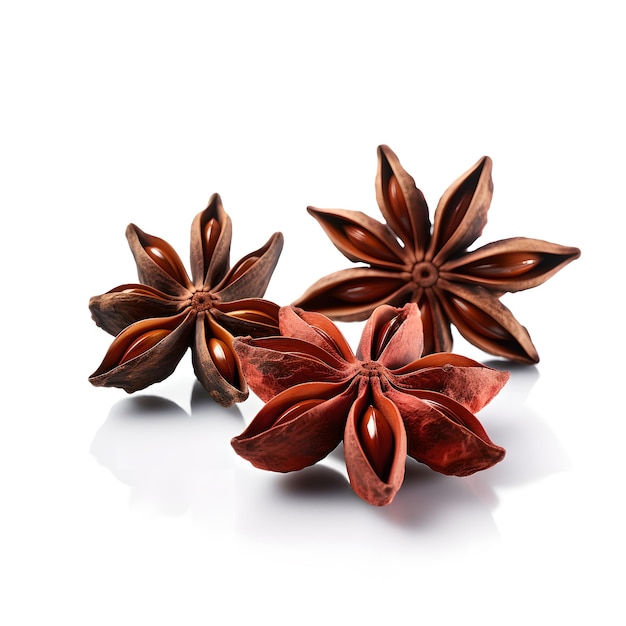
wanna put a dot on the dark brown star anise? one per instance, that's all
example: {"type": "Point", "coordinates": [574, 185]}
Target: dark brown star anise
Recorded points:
{"type": "Point", "coordinates": [156, 321]}
{"type": "Point", "coordinates": [410, 262]}
{"type": "Point", "coordinates": [384, 403]}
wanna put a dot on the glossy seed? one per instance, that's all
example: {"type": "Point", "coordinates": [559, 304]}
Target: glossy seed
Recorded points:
{"type": "Point", "coordinates": [479, 321]}
{"type": "Point", "coordinates": [384, 336]}
{"type": "Point", "coordinates": [143, 343]}
{"type": "Point", "coordinates": [454, 216]}
{"type": "Point", "coordinates": [396, 197]}
{"type": "Point", "coordinates": [397, 203]}
{"type": "Point", "coordinates": [224, 359]}
{"type": "Point", "coordinates": [252, 315]}
{"type": "Point", "coordinates": [458, 205]}
{"type": "Point", "coordinates": [166, 260]}
{"type": "Point", "coordinates": [358, 292]}
{"type": "Point", "coordinates": [366, 243]}
{"type": "Point", "coordinates": [241, 269]}
{"type": "Point", "coordinates": [510, 265]}
{"type": "Point", "coordinates": [210, 235]}
{"type": "Point", "coordinates": [377, 440]}
{"type": "Point", "coordinates": [299, 408]}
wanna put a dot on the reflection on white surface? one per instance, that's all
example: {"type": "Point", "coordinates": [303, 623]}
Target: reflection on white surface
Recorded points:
{"type": "Point", "coordinates": [431, 511]}
{"type": "Point", "coordinates": [176, 462]}
{"type": "Point", "coordinates": [532, 449]}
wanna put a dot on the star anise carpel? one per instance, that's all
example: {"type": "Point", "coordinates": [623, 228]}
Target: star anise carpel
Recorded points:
{"type": "Point", "coordinates": [408, 259]}
{"type": "Point", "coordinates": [156, 320]}
{"type": "Point", "coordinates": [385, 401]}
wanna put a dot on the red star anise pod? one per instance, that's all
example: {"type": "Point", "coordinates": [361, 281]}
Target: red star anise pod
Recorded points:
{"type": "Point", "coordinates": [410, 262]}
{"type": "Point", "coordinates": [156, 321]}
{"type": "Point", "coordinates": [384, 403]}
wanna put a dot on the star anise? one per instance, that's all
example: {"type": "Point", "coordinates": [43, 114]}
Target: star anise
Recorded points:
{"type": "Point", "coordinates": [385, 402]}
{"type": "Point", "coordinates": [407, 261]}
{"type": "Point", "coordinates": [156, 321]}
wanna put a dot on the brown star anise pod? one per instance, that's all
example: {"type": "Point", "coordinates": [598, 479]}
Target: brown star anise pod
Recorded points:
{"type": "Point", "coordinates": [156, 321]}
{"type": "Point", "coordinates": [384, 403]}
{"type": "Point", "coordinates": [410, 262]}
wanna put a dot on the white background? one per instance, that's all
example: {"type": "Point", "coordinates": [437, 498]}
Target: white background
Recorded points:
{"type": "Point", "coordinates": [125, 509]}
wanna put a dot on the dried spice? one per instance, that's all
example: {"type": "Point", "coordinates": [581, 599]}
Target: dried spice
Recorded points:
{"type": "Point", "coordinates": [385, 402]}
{"type": "Point", "coordinates": [408, 261]}
{"type": "Point", "coordinates": [155, 322]}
